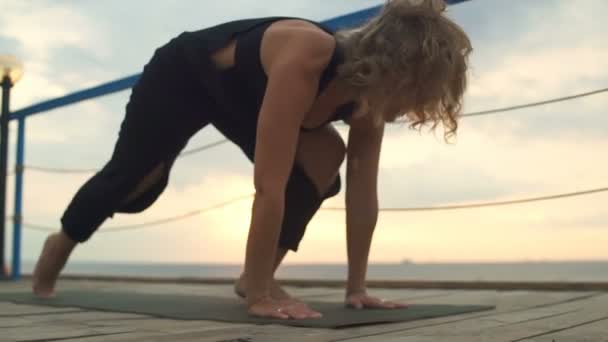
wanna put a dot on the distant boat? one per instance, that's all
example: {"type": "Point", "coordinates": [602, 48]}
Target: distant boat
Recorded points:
{"type": "Point", "coordinates": [406, 262]}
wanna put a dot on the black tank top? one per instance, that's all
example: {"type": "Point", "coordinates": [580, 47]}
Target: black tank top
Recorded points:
{"type": "Point", "coordinates": [240, 89]}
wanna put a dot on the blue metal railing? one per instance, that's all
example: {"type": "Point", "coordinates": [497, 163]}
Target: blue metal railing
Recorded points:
{"type": "Point", "coordinates": [348, 20]}
{"type": "Point", "coordinates": [16, 271]}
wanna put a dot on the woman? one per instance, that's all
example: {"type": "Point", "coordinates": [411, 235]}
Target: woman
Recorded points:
{"type": "Point", "coordinates": [273, 86]}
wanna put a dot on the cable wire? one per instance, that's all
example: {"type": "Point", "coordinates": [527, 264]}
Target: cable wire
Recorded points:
{"type": "Point", "coordinates": [536, 104]}
{"type": "Point", "coordinates": [223, 141]}
{"type": "Point", "coordinates": [488, 204]}
{"type": "Point", "coordinates": [410, 209]}
{"type": "Point", "coordinates": [149, 223]}
{"type": "Point", "coordinates": [77, 171]}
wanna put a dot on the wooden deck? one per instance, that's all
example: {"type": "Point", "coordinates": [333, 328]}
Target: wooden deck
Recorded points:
{"type": "Point", "coordinates": [519, 316]}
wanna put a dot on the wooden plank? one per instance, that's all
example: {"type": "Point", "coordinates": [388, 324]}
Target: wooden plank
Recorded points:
{"type": "Point", "coordinates": [589, 324]}
{"type": "Point", "coordinates": [517, 301]}
{"type": "Point", "coordinates": [561, 323]}
{"type": "Point", "coordinates": [11, 310]}
{"type": "Point", "coordinates": [120, 337]}
{"type": "Point", "coordinates": [592, 331]}
{"type": "Point", "coordinates": [84, 316]}
{"type": "Point", "coordinates": [254, 333]}
{"type": "Point", "coordinates": [102, 323]}
{"type": "Point", "coordinates": [174, 327]}
{"type": "Point", "coordinates": [511, 326]}
{"type": "Point", "coordinates": [481, 331]}
{"type": "Point", "coordinates": [54, 331]}
{"type": "Point", "coordinates": [167, 330]}
{"type": "Point", "coordinates": [149, 323]}
{"type": "Point", "coordinates": [433, 338]}
{"type": "Point", "coordinates": [11, 322]}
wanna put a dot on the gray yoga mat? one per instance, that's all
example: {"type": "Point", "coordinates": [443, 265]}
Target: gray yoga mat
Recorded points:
{"type": "Point", "coordinates": [192, 307]}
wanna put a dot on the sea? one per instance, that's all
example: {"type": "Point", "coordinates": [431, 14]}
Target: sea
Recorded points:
{"type": "Point", "coordinates": [566, 271]}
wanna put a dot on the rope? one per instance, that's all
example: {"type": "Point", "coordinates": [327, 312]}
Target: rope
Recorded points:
{"type": "Point", "coordinates": [237, 199]}
{"type": "Point", "coordinates": [78, 171]}
{"type": "Point", "coordinates": [223, 141]}
{"type": "Point", "coordinates": [489, 204]}
{"type": "Point", "coordinates": [57, 170]}
{"type": "Point", "coordinates": [149, 223]}
{"type": "Point", "coordinates": [535, 104]}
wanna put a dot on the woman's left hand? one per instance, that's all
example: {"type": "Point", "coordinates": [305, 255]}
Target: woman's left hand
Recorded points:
{"type": "Point", "coordinates": [362, 300]}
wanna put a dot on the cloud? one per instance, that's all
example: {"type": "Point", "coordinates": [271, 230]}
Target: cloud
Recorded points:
{"type": "Point", "coordinates": [532, 75]}
{"type": "Point", "coordinates": [10, 45]}
{"type": "Point", "coordinates": [40, 30]}
{"type": "Point", "coordinates": [528, 60]}
{"type": "Point", "coordinates": [494, 160]}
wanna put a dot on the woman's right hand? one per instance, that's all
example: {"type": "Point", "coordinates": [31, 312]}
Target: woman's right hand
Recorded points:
{"type": "Point", "coordinates": [290, 309]}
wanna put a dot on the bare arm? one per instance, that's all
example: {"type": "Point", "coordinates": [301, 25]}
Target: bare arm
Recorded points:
{"type": "Point", "coordinates": [293, 76]}
{"type": "Point", "coordinates": [364, 144]}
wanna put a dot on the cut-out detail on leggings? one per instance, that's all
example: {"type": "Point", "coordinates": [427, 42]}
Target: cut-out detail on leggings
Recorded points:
{"type": "Point", "coordinates": [146, 191]}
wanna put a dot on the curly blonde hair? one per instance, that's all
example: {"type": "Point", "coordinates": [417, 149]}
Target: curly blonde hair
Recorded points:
{"type": "Point", "coordinates": [410, 59]}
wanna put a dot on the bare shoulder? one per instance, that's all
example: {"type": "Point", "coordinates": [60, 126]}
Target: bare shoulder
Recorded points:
{"type": "Point", "coordinates": [297, 42]}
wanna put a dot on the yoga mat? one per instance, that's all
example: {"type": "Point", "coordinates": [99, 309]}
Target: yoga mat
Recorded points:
{"type": "Point", "coordinates": [192, 307]}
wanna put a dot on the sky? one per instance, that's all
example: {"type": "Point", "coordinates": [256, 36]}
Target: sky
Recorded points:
{"type": "Point", "coordinates": [524, 51]}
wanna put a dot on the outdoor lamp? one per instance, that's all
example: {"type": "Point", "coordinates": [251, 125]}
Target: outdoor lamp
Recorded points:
{"type": "Point", "coordinates": [10, 66]}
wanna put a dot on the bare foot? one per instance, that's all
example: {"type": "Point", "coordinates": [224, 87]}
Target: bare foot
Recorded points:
{"type": "Point", "coordinates": [276, 291]}
{"type": "Point", "coordinates": [54, 255]}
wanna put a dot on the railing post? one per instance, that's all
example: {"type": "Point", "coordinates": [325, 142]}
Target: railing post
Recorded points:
{"type": "Point", "coordinates": [17, 217]}
{"type": "Point", "coordinates": [4, 119]}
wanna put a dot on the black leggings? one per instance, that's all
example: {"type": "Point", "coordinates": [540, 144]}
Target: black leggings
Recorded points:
{"type": "Point", "coordinates": [160, 119]}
